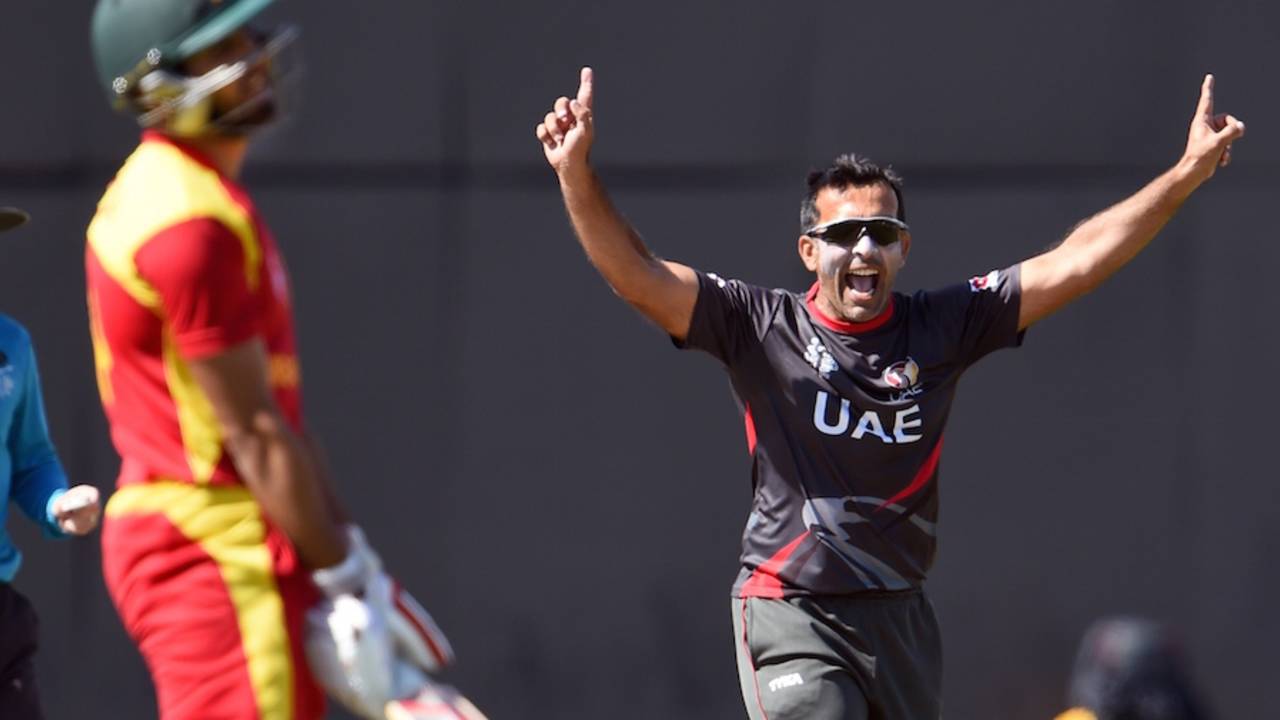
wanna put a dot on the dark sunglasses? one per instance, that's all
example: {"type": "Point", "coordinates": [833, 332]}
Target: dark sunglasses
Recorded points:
{"type": "Point", "coordinates": [882, 230]}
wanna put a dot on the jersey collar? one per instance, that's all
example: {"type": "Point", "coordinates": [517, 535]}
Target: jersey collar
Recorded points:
{"type": "Point", "coordinates": [842, 326]}
{"type": "Point", "coordinates": [185, 148]}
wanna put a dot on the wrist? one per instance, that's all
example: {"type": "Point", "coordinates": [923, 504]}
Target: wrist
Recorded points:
{"type": "Point", "coordinates": [51, 507]}
{"type": "Point", "coordinates": [574, 173]}
{"type": "Point", "coordinates": [352, 573]}
{"type": "Point", "coordinates": [1186, 175]}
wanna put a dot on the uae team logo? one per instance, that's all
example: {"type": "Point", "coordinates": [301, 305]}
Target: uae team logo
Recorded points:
{"type": "Point", "coordinates": [989, 282]}
{"type": "Point", "coordinates": [903, 376]}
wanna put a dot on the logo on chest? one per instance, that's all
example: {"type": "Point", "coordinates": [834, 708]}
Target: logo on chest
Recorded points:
{"type": "Point", "coordinates": [895, 427]}
{"type": "Point", "coordinates": [904, 377]}
{"type": "Point", "coordinates": [815, 353]}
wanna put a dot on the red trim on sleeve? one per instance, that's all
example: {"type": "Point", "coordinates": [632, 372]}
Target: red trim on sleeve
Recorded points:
{"type": "Point", "coordinates": [842, 326]}
{"type": "Point", "coordinates": [921, 479]}
{"type": "Point", "coordinates": [751, 430]}
{"type": "Point", "coordinates": [764, 581]}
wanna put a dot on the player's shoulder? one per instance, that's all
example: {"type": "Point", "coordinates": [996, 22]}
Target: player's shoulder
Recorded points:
{"type": "Point", "coordinates": [13, 334]}
{"type": "Point", "coordinates": [160, 187]}
{"type": "Point", "coordinates": [734, 284]}
{"type": "Point", "coordinates": [161, 178]}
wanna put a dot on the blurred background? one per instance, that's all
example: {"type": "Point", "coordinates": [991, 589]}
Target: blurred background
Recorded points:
{"type": "Point", "coordinates": [564, 490]}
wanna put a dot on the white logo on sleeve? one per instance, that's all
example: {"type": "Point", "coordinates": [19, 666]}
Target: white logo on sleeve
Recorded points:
{"type": "Point", "coordinates": [990, 281]}
{"type": "Point", "coordinates": [720, 282]}
{"type": "Point", "coordinates": [816, 355]}
{"type": "Point", "coordinates": [785, 681]}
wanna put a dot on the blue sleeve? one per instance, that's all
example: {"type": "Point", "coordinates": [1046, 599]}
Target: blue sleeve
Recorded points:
{"type": "Point", "coordinates": [38, 479]}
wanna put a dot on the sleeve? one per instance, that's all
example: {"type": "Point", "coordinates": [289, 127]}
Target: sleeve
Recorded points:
{"type": "Point", "coordinates": [38, 479]}
{"type": "Point", "coordinates": [730, 317]}
{"type": "Point", "coordinates": [980, 316]}
{"type": "Point", "coordinates": [198, 268]}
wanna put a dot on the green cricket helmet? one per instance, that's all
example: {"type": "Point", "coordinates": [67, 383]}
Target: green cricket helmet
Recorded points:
{"type": "Point", "coordinates": [140, 47]}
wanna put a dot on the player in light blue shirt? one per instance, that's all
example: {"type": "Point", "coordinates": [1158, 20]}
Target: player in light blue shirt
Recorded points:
{"type": "Point", "coordinates": [31, 477]}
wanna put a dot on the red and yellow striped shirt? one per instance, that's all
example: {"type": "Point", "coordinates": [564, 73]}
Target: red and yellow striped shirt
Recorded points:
{"type": "Point", "coordinates": [180, 266]}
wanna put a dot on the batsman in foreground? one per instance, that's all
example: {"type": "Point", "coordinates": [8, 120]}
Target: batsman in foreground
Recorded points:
{"type": "Point", "coordinates": [846, 389]}
{"type": "Point", "coordinates": [224, 551]}
{"type": "Point", "coordinates": [31, 477]}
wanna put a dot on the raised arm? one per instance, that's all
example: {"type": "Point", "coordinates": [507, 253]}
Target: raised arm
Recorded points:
{"type": "Point", "coordinates": [665, 292]}
{"type": "Point", "coordinates": [1099, 246]}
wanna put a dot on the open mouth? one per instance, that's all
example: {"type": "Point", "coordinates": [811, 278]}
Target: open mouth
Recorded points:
{"type": "Point", "coordinates": [863, 282]}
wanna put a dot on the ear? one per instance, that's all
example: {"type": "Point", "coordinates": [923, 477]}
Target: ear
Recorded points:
{"type": "Point", "coordinates": [808, 249]}
{"type": "Point", "coordinates": [906, 246]}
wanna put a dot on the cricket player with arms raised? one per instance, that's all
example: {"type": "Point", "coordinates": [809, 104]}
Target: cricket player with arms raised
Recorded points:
{"type": "Point", "coordinates": [31, 477]}
{"type": "Point", "coordinates": [846, 390]}
{"type": "Point", "coordinates": [224, 551]}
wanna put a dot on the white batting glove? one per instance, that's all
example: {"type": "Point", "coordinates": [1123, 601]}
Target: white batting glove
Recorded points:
{"type": "Point", "coordinates": [349, 639]}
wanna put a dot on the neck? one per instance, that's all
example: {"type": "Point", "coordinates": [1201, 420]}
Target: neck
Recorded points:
{"type": "Point", "coordinates": [225, 152]}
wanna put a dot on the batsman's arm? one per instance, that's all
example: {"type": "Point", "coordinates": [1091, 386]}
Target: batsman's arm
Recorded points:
{"type": "Point", "coordinates": [1104, 243]}
{"type": "Point", "coordinates": [270, 457]}
{"type": "Point", "coordinates": [663, 291]}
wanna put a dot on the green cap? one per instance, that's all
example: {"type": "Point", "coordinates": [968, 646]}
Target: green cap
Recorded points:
{"type": "Point", "coordinates": [125, 33]}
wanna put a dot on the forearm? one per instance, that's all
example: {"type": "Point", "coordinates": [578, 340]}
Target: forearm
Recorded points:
{"type": "Point", "coordinates": [321, 462]}
{"type": "Point", "coordinates": [277, 468]}
{"type": "Point", "coordinates": [1100, 246]}
{"type": "Point", "coordinates": [34, 487]}
{"type": "Point", "coordinates": [665, 292]}
{"type": "Point", "coordinates": [612, 245]}
{"type": "Point", "coordinates": [1105, 242]}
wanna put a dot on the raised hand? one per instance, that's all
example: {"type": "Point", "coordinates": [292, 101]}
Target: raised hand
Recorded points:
{"type": "Point", "coordinates": [568, 130]}
{"type": "Point", "coordinates": [1209, 140]}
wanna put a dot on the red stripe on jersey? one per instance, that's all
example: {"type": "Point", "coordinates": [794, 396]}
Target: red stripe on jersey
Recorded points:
{"type": "Point", "coordinates": [842, 326]}
{"type": "Point", "coordinates": [764, 581]}
{"type": "Point", "coordinates": [751, 430]}
{"type": "Point", "coordinates": [442, 658]}
{"type": "Point", "coordinates": [920, 480]}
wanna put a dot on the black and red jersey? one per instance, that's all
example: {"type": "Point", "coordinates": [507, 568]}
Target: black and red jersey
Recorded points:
{"type": "Point", "coordinates": [845, 424]}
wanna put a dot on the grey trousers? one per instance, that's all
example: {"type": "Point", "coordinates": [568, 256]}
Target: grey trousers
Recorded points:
{"type": "Point", "coordinates": [857, 657]}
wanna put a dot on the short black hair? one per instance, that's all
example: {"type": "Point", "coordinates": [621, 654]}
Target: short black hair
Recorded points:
{"type": "Point", "coordinates": [848, 170]}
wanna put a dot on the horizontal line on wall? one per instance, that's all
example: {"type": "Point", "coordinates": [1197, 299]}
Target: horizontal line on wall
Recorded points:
{"type": "Point", "coordinates": [658, 177]}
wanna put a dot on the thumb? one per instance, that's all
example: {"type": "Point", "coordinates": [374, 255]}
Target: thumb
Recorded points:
{"type": "Point", "coordinates": [586, 87]}
{"type": "Point", "coordinates": [1233, 129]}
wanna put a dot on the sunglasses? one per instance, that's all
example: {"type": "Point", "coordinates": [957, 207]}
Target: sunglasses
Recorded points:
{"type": "Point", "coordinates": [882, 230]}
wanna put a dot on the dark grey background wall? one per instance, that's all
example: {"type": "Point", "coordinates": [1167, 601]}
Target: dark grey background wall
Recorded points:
{"type": "Point", "coordinates": [566, 492]}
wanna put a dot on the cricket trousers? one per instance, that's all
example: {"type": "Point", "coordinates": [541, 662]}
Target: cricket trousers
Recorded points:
{"type": "Point", "coordinates": [873, 656]}
{"type": "Point", "coordinates": [214, 598]}
{"type": "Point", "coordinates": [19, 697]}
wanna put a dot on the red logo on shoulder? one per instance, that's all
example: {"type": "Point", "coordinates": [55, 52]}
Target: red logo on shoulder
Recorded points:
{"type": "Point", "coordinates": [990, 281]}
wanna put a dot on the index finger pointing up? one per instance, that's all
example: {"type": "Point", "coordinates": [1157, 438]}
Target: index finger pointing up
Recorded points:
{"type": "Point", "coordinates": [586, 89]}
{"type": "Point", "coordinates": [1206, 97]}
